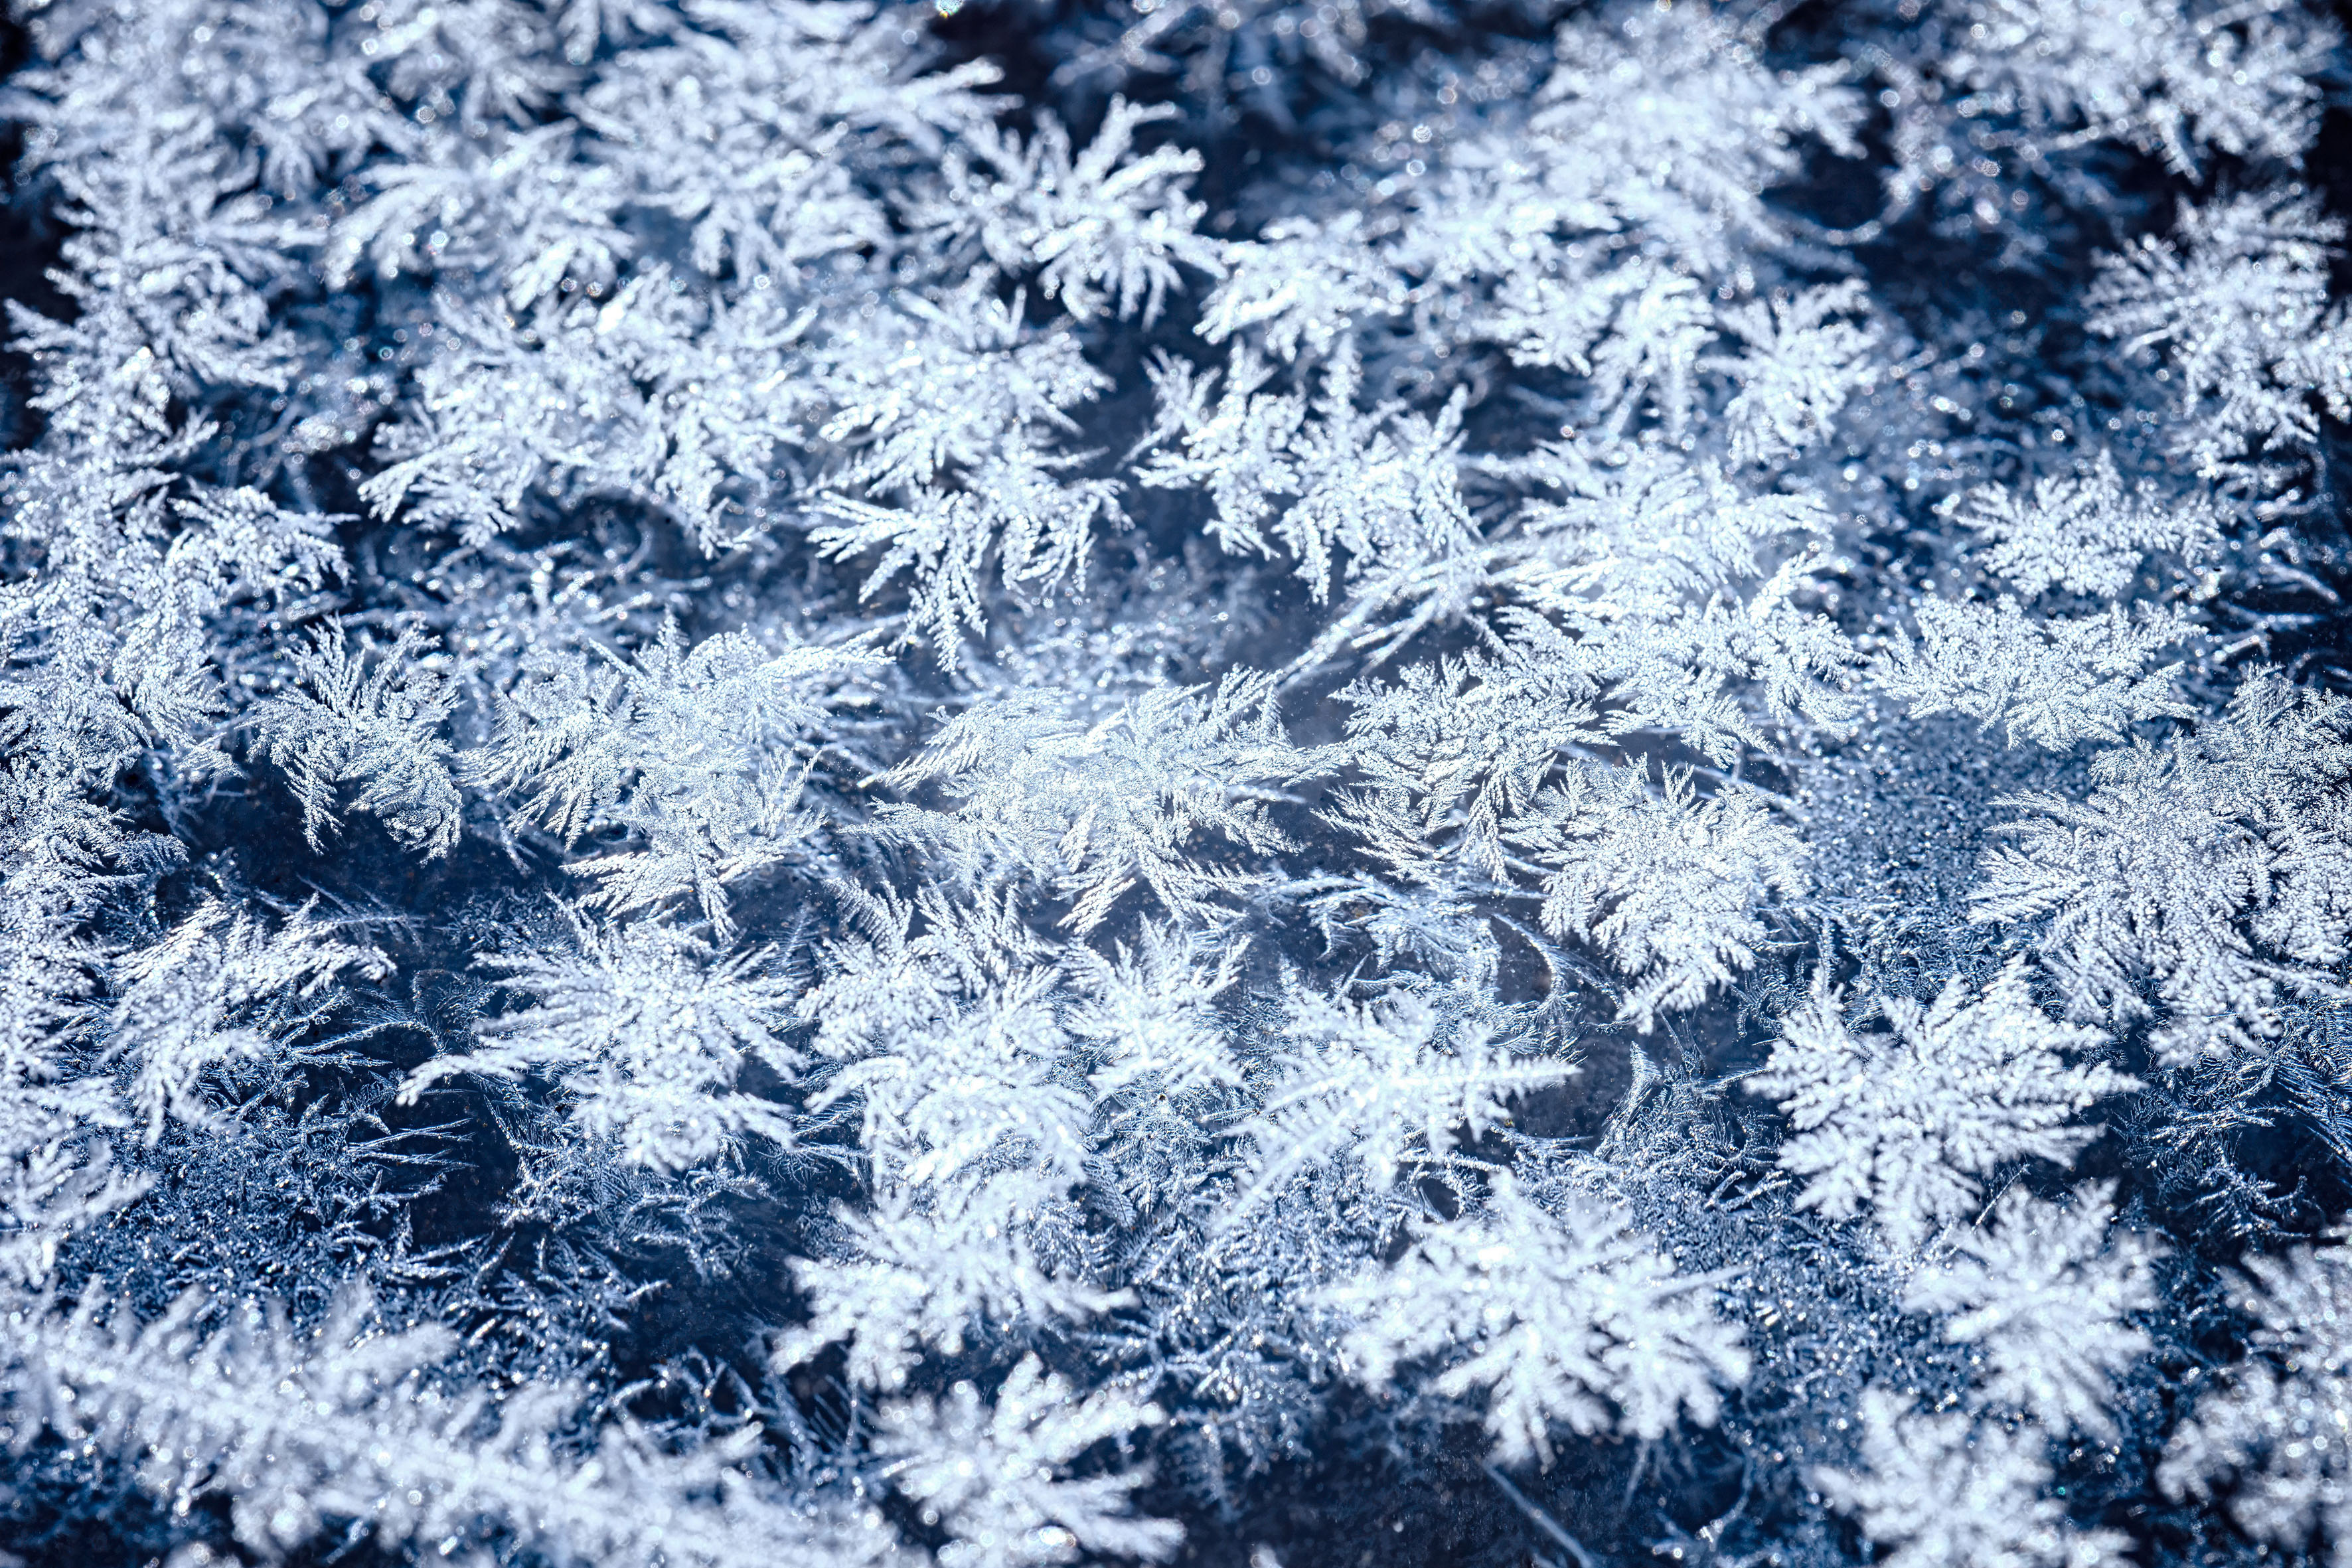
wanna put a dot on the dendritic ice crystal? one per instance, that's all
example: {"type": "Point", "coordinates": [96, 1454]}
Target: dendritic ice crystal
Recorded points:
{"type": "Point", "coordinates": [1358, 783]}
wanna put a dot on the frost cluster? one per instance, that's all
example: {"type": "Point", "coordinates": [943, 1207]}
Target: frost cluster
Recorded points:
{"type": "Point", "coordinates": [1013, 783]}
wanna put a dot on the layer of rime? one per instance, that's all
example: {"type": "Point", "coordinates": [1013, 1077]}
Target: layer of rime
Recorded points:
{"type": "Point", "coordinates": [1332, 784]}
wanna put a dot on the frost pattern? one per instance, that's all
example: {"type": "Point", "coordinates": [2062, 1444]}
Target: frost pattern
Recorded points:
{"type": "Point", "coordinates": [2047, 1290]}
{"type": "Point", "coordinates": [1377, 1087]}
{"type": "Point", "coordinates": [2213, 865]}
{"type": "Point", "coordinates": [2054, 682]}
{"type": "Point", "coordinates": [1003, 783]}
{"type": "Point", "coordinates": [2270, 1425]}
{"type": "Point", "coordinates": [1944, 1493]}
{"type": "Point", "coordinates": [2238, 300]}
{"type": "Point", "coordinates": [988, 1473]}
{"type": "Point", "coordinates": [1904, 1120]}
{"type": "Point", "coordinates": [343, 1428]}
{"type": "Point", "coordinates": [1564, 1320]}
{"type": "Point", "coordinates": [2086, 533]}
{"type": "Point", "coordinates": [1093, 810]}
{"type": "Point", "coordinates": [648, 1035]}
{"type": "Point", "coordinates": [342, 722]}
{"type": "Point", "coordinates": [699, 755]}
